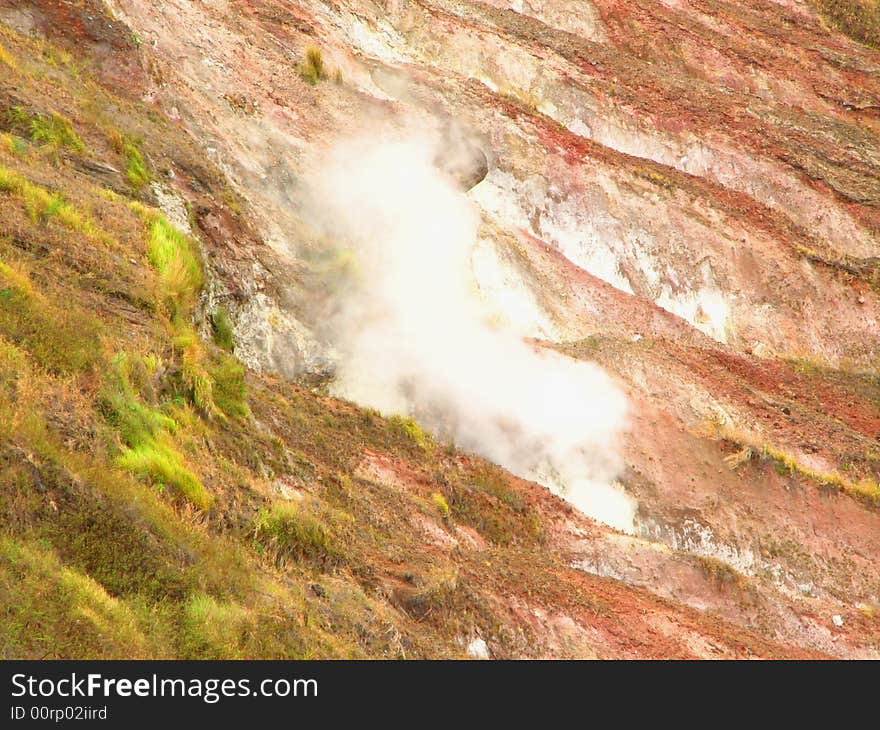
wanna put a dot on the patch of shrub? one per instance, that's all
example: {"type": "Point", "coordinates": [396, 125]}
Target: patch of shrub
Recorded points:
{"type": "Point", "coordinates": [229, 392]}
{"type": "Point", "coordinates": [46, 607]}
{"type": "Point", "coordinates": [493, 519]}
{"type": "Point", "coordinates": [299, 529]}
{"type": "Point", "coordinates": [41, 204]}
{"type": "Point", "coordinates": [494, 481]}
{"type": "Point", "coordinates": [440, 597]}
{"type": "Point", "coordinates": [56, 131]}
{"type": "Point", "coordinates": [484, 500]}
{"type": "Point", "coordinates": [410, 430]}
{"type": "Point", "coordinates": [215, 630]}
{"type": "Point", "coordinates": [439, 501]}
{"type": "Point", "coordinates": [148, 449]}
{"type": "Point", "coordinates": [721, 573]}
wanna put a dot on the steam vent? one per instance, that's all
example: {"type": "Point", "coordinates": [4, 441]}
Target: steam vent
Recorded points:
{"type": "Point", "coordinates": [463, 160]}
{"type": "Point", "coordinates": [439, 329]}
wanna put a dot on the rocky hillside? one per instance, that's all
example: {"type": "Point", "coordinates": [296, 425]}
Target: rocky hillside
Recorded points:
{"type": "Point", "coordinates": [685, 193]}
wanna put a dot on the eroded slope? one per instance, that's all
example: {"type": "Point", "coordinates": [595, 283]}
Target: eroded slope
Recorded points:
{"type": "Point", "coordinates": [686, 193]}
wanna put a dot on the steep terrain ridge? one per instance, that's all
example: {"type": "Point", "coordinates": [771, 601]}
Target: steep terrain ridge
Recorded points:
{"type": "Point", "coordinates": [687, 193]}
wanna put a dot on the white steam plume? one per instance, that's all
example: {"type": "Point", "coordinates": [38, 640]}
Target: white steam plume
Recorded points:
{"type": "Point", "coordinates": [414, 338]}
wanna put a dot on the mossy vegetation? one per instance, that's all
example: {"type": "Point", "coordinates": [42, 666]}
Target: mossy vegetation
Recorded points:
{"type": "Point", "coordinates": [56, 57]}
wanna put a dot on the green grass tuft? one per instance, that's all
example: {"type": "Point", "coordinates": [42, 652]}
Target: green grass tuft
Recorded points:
{"type": "Point", "coordinates": [229, 392]}
{"type": "Point", "coordinates": [41, 204]}
{"type": "Point", "coordinates": [135, 421]}
{"type": "Point", "coordinates": [135, 168]}
{"type": "Point", "coordinates": [215, 630]}
{"type": "Point", "coordinates": [13, 144]}
{"type": "Point", "coordinates": [298, 530]}
{"type": "Point", "coordinates": [197, 382]}
{"type": "Point", "coordinates": [173, 256]}
{"type": "Point", "coordinates": [312, 68]}
{"type": "Point", "coordinates": [408, 428]}
{"type": "Point", "coordinates": [56, 131]}
{"type": "Point", "coordinates": [58, 611]}
{"type": "Point", "coordinates": [159, 460]}
{"type": "Point", "coordinates": [148, 449]}
{"type": "Point", "coordinates": [439, 501]}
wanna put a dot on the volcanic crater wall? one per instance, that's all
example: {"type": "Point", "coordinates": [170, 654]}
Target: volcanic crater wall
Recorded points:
{"type": "Point", "coordinates": [686, 193]}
